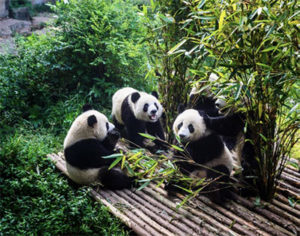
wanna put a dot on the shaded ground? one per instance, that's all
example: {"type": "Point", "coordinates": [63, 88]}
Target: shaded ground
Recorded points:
{"type": "Point", "coordinates": [10, 27]}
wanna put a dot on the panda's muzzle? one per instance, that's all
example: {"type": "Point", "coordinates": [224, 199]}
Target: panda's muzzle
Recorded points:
{"type": "Point", "coordinates": [153, 115]}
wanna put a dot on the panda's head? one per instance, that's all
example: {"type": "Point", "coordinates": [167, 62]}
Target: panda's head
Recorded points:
{"type": "Point", "coordinates": [189, 126]}
{"type": "Point", "coordinates": [90, 124]}
{"type": "Point", "coordinates": [145, 106]}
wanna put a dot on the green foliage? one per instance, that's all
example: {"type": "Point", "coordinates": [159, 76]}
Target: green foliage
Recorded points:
{"type": "Point", "coordinates": [94, 49]}
{"type": "Point", "coordinates": [105, 43]}
{"type": "Point", "coordinates": [163, 20]}
{"type": "Point", "coordinates": [254, 50]}
{"type": "Point", "coordinates": [36, 199]}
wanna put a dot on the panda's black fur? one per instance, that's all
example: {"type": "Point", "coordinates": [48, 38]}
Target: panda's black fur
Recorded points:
{"type": "Point", "coordinates": [230, 125]}
{"type": "Point", "coordinates": [90, 138]}
{"type": "Point", "coordinates": [205, 147]}
{"type": "Point", "coordinates": [131, 113]}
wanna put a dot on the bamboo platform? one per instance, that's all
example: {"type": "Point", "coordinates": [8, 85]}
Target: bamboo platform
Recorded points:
{"type": "Point", "coordinates": [152, 212]}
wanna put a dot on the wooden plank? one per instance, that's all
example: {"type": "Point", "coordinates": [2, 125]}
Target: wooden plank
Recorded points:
{"type": "Point", "coordinates": [152, 212]}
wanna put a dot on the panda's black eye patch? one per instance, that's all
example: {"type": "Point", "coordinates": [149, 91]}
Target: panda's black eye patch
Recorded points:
{"type": "Point", "coordinates": [191, 128]}
{"type": "Point", "coordinates": [146, 107]}
{"type": "Point", "coordinates": [107, 125]}
{"type": "Point", "coordinates": [180, 125]}
{"type": "Point", "coordinates": [156, 105]}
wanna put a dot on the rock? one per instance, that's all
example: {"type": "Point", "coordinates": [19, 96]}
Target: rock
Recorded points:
{"type": "Point", "coordinates": [40, 21]}
{"type": "Point", "coordinates": [8, 27]}
{"type": "Point", "coordinates": [21, 13]}
{"type": "Point", "coordinates": [40, 2]}
{"type": "Point", "coordinates": [4, 8]}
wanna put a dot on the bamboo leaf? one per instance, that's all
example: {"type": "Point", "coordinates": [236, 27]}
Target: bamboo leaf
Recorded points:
{"type": "Point", "coordinates": [113, 156]}
{"type": "Point", "coordinates": [148, 136]}
{"type": "Point", "coordinates": [123, 161]}
{"type": "Point", "coordinates": [177, 148]}
{"type": "Point", "coordinates": [144, 185]}
{"type": "Point", "coordinates": [221, 20]}
{"type": "Point", "coordinates": [115, 163]}
{"type": "Point", "coordinates": [176, 47]}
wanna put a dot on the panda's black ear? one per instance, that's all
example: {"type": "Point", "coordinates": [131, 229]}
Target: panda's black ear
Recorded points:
{"type": "Point", "coordinates": [92, 120]}
{"type": "Point", "coordinates": [155, 94]}
{"type": "Point", "coordinates": [86, 107]}
{"type": "Point", "coordinates": [135, 96]}
{"type": "Point", "coordinates": [180, 108]}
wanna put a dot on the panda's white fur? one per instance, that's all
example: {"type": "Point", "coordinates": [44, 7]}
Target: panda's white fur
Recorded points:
{"type": "Point", "coordinates": [117, 101]}
{"type": "Point", "coordinates": [90, 138]}
{"type": "Point", "coordinates": [200, 130]}
{"type": "Point", "coordinates": [80, 130]}
{"type": "Point", "coordinates": [136, 112]}
{"type": "Point", "coordinates": [136, 108]}
{"type": "Point", "coordinates": [192, 117]}
{"type": "Point", "coordinates": [83, 177]}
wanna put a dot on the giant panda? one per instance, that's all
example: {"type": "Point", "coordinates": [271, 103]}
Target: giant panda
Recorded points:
{"type": "Point", "coordinates": [90, 138]}
{"type": "Point", "coordinates": [211, 158]}
{"type": "Point", "coordinates": [232, 133]}
{"type": "Point", "coordinates": [138, 112]}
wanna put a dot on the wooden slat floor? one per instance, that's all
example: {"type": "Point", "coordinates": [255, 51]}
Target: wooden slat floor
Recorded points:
{"type": "Point", "coordinates": [152, 212]}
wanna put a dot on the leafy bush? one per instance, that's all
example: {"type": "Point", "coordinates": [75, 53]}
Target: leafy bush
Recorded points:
{"type": "Point", "coordinates": [36, 199]}
{"type": "Point", "coordinates": [164, 32]}
{"type": "Point", "coordinates": [95, 49]}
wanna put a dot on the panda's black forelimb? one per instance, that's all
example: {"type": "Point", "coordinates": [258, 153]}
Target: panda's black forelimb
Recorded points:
{"type": "Point", "coordinates": [155, 129]}
{"type": "Point", "coordinates": [228, 125]}
{"type": "Point", "coordinates": [206, 148]}
{"type": "Point", "coordinates": [114, 178]}
{"type": "Point", "coordinates": [87, 154]}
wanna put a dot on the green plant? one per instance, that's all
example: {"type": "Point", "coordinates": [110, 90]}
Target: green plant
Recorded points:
{"type": "Point", "coordinates": [254, 48]}
{"type": "Point", "coordinates": [36, 199]}
{"type": "Point", "coordinates": [95, 48]}
{"type": "Point", "coordinates": [163, 20]}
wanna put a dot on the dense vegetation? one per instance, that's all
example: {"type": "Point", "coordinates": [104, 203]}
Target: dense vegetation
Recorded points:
{"type": "Point", "coordinates": [253, 49]}
{"type": "Point", "coordinates": [97, 46]}
{"type": "Point", "coordinates": [94, 48]}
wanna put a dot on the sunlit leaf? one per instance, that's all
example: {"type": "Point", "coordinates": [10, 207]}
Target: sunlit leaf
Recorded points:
{"type": "Point", "coordinates": [115, 163]}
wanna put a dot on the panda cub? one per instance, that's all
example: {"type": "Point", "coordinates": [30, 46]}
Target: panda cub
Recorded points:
{"type": "Point", "coordinates": [137, 112]}
{"type": "Point", "coordinates": [91, 137]}
{"type": "Point", "coordinates": [206, 148]}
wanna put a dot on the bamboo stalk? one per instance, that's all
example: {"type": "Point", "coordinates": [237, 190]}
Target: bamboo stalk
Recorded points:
{"type": "Point", "coordinates": [184, 212]}
{"type": "Point", "coordinates": [268, 214]}
{"type": "Point", "coordinates": [145, 207]}
{"type": "Point", "coordinates": [160, 211]}
{"type": "Point", "coordinates": [131, 213]}
{"type": "Point", "coordinates": [127, 221]}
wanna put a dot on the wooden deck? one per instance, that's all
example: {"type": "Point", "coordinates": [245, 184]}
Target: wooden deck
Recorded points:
{"type": "Point", "coordinates": [151, 212]}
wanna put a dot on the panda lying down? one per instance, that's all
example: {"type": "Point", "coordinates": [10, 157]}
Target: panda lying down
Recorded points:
{"type": "Point", "coordinates": [91, 137]}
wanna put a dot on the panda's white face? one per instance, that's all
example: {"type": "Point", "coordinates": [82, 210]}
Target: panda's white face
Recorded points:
{"type": "Point", "coordinates": [90, 124]}
{"type": "Point", "coordinates": [147, 108]}
{"type": "Point", "coordinates": [189, 126]}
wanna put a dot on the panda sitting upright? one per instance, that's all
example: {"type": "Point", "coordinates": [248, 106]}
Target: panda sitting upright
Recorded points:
{"type": "Point", "coordinates": [137, 112]}
{"type": "Point", "coordinates": [206, 148]}
{"type": "Point", "coordinates": [91, 137]}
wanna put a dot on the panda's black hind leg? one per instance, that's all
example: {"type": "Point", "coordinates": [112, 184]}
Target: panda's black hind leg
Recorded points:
{"type": "Point", "coordinates": [115, 179]}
